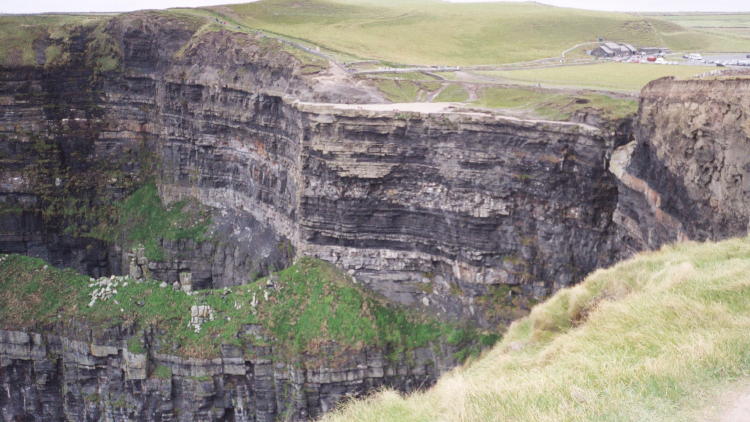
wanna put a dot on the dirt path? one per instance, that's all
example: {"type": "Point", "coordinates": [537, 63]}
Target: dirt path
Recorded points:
{"type": "Point", "coordinates": [739, 410]}
{"type": "Point", "coordinates": [733, 406]}
{"type": "Point", "coordinates": [576, 46]}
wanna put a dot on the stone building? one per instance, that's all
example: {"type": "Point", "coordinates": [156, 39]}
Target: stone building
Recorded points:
{"type": "Point", "coordinates": [613, 49]}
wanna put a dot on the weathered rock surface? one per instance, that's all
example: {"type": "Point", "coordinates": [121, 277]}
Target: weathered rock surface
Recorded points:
{"type": "Point", "coordinates": [452, 206]}
{"type": "Point", "coordinates": [686, 175]}
{"type": "Point", "coordinates": [79, 375]}
{"type": "Point", "coordinates": [471, 215]}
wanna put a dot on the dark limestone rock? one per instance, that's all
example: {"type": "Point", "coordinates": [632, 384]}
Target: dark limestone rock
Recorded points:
{"type": "Point", "coordinates": [90, 379]}
{"type": "Point", "coordinates": [685, 176]}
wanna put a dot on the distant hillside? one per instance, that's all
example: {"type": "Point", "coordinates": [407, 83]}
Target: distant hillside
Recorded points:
{"type": "Point", "coordinates": [654, 338]}
{"type": "Point", "coordinates": [437, 32]}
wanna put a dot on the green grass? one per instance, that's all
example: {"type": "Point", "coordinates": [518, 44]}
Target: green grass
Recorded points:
{"type": "Point", "coordinates": [436, 32]}
{"type": "Point", "coordinates": [553, 105]}
{"type": "Point", "coordinates": [163, 372]}
{"type": "Point", "coordinates": [452, 93]}
{"type": "Point", "coordinates": [655, 338]}
{"type": "Point", "coordinates": [710, 20]}
{"type": "Point", "coordinates": [143, 219]}
{"type": "Point", "coordinates": [406, 91]}
{"type": "Point", "coordinates": [135, 345]}
{"type": "Point", "coordinates": [311, 305]}
{"type": "Point", "coordinates": [612, 76]}
{"type": "Point", "coordinates": [413, 76]}
{"type": "Point", "coordinates": [735, 28]}
{"type": "Point", "coordinates": [207, 19]}
{"type": "Point", "coordinates": [18, 33]}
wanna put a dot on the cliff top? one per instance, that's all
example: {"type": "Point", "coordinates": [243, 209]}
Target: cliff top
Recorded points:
{"type": "Point", "coordinates": [657, 337]}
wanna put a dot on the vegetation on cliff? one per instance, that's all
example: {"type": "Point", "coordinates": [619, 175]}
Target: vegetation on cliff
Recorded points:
{"type": "Point", "coordinates": [25, 38]}
{"type": "Point", "coordinates": [142, 219]}
{"type": "Point", "coordinates": [300, 311]}
{"type": "Point", "coordinates": [555, 105]}
{"type": "Point", "coordinates": [653, 338]}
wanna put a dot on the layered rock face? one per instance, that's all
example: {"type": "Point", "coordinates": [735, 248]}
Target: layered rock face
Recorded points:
{"type": "Point", "coordinates": [470, 215]}
{"type": "Point", "coordinates": [80, 375]}
{"type": "Point", "coordinates": [686, 174]}
{"type": "Point", "coordinates": [445, 209]}
{"type": "Point", "coordinates": [75, 137]}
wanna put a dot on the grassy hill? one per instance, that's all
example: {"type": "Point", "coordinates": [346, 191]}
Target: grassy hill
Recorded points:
{"type": "Point", "coordinates": [655, 338]}
{"type": "Point", "coordinates": [736, 25]}
{"type": "Point", "coordinates": [437, 32]}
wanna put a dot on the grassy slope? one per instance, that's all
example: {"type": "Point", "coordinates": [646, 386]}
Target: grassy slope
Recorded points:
{"type": "Point", "coordinates": [553, 105]}
{"type": "Point", "coordinates": [651, 339]}
{"type": "Point", "coordinates": [711, 20]}
{"type": "Point", "coordinates": [615, 76]}
{"type": "Point", "coordinates": [528, 101]}
{"type": "Point", "coordinates": [18, 33]}
{"type": "Point", "coordinates": [436, 32]}
{"type": "Point", "coordinates": [312, 304]}
{"type": "Point", "coordinates": [731, 25]}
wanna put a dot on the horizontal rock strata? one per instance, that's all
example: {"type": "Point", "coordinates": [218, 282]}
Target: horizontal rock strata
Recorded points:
{"type": "Point", "coordinates": [69, 377]}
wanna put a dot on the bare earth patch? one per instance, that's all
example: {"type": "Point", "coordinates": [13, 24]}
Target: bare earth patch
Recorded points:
{"type": "Point", "coordinates": [732, 406]}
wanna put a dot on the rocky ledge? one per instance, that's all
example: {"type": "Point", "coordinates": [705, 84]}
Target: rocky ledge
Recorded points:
{"type": "Point", "coordinates": [288, 347]}
{"type": "Point", "coordinates": [82, 381]}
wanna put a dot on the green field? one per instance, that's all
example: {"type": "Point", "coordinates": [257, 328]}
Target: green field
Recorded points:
{"type": "Point", "coordinates": [656, 338]}
{"type": "Point", "coordinates": [730, 25]}
{"type": "Point", "coordinates": [710, 20]}
{"type": "Point", "coordinates": [553, 105]}
{"type": "Point", "coordinates": [611, 76]}
{"type": "Point", "coordinates": [437, 32]}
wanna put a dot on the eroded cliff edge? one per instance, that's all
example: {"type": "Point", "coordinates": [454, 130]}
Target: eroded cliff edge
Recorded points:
{"type": "Point", "coordinates": [288, 347]}
{"type": "Point", "coordinates": [685, 175]}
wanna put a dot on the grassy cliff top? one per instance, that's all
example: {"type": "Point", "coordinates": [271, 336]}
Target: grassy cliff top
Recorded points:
{"type": "Point", "coordinates": [438, 32]}
{"type": "Point", "coordinates": [301, 310]}
{"type": "Point", "coordinates": [25, 38]}
{"type": "Point", "coordinates": [655, 338]}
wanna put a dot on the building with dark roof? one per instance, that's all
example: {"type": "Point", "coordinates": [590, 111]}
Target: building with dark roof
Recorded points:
{"type": "Point", "coordinates": [613, 49]}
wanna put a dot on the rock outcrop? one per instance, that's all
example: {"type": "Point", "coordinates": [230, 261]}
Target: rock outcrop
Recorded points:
{"type": "Point", "coordinates": [685, 175]}
{"type": "Point", "coordinates": [84, 375]}
{"type": "Point", "coordinates": [471, 215]}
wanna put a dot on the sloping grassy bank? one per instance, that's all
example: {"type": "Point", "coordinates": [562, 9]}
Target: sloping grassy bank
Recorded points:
{"type": "Point", "coordinates": [299, 310]}
{"type": "Point", "coordinates": [647, 340]}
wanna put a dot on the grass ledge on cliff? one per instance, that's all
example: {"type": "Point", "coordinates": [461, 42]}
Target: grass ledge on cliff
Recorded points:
{"type": "Point", "coordinates": [655, 338]}
{"type": "Point", "coordinates": [310, 309]}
